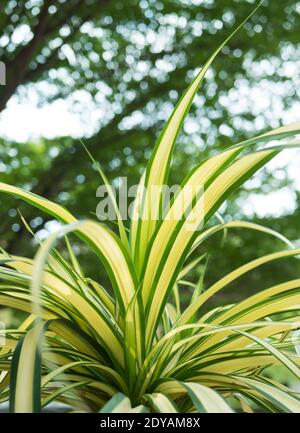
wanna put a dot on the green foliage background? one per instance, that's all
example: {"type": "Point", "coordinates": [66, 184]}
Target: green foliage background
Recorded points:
{"type": "Point", "coordinates": [133, 58]}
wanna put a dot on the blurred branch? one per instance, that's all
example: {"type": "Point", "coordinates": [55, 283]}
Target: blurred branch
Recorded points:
{"type": "Point", "coordinates": [17, 68]}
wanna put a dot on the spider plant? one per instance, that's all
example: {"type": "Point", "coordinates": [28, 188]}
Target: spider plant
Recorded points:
{"type": "Point", "coordinates": [134, 346]}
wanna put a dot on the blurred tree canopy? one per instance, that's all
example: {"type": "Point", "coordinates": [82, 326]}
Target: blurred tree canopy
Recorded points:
{"type": "Point", "coordinates": [122, 65]}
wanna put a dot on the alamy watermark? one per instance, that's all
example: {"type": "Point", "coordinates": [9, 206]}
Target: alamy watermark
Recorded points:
{"type": "Point", "coordinates": [171, 203]}
{"type": "Point", "coordinates": [2, 334]}
{"type": "Point", "coordinates": [2, 74]}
